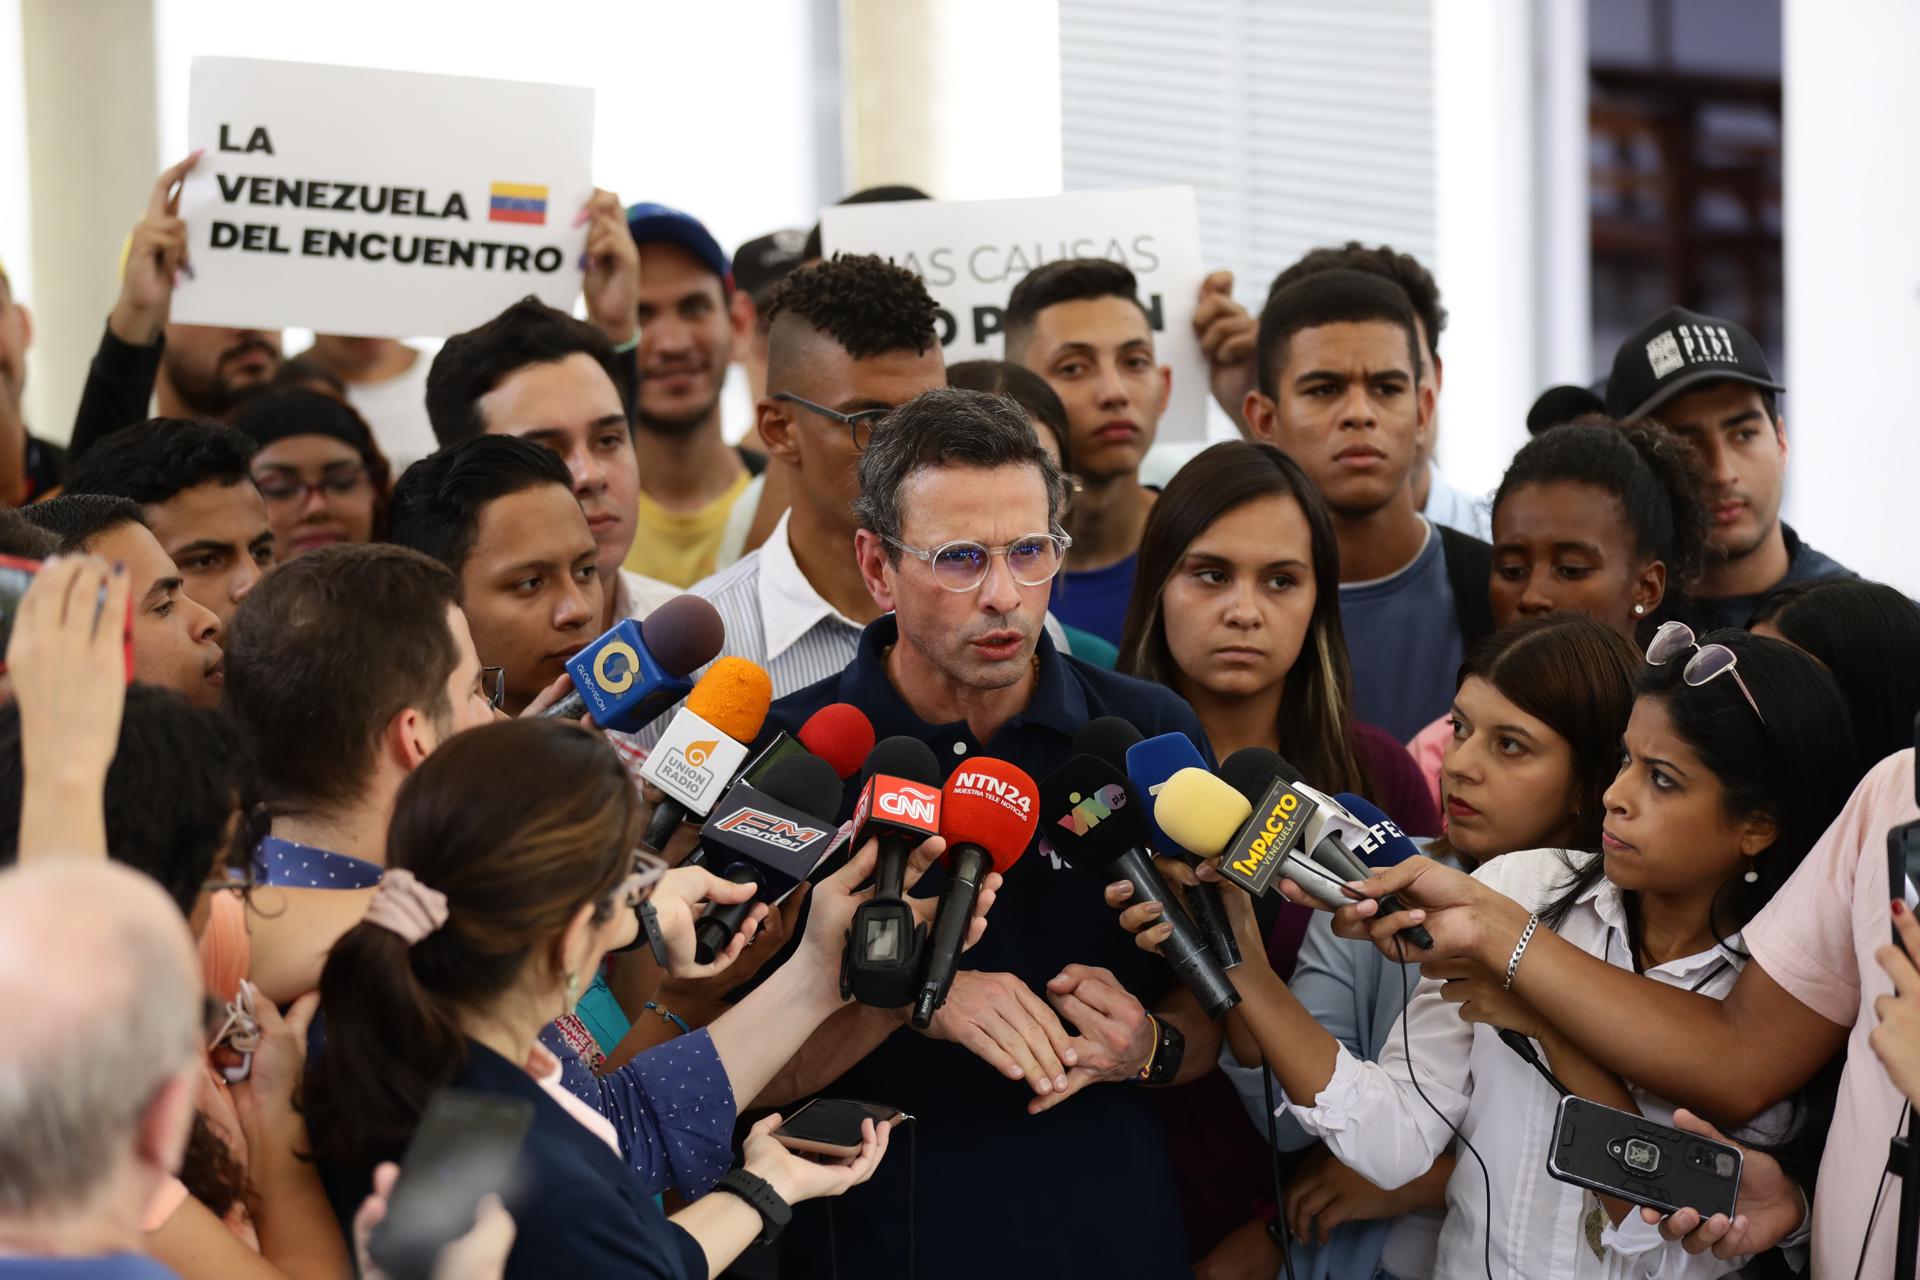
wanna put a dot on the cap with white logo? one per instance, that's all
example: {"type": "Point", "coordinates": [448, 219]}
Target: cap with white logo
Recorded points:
{"type": "Point", "coordinates": [1679, 349]}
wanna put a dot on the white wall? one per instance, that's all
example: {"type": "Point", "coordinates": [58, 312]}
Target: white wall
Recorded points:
{"type": "Point", "coordinates": [16, 213]}
{"type": "Point", "coordinates": [1853, 283]}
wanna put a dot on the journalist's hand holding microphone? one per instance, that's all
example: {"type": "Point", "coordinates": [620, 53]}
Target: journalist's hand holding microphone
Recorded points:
{"type": "Point", "coordinates": [677, 902]}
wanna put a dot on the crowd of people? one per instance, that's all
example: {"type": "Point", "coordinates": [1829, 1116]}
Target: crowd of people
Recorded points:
{"type": "Point", "coordinates": [303, 848]}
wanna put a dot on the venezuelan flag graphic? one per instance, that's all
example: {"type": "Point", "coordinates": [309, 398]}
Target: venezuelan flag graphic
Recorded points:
{"type": "Point", "coordinates": [518, 202]}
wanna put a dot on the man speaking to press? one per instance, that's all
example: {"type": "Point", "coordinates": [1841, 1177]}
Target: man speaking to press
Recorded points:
{"type": "Point", "coordinates": [1037, 1151]}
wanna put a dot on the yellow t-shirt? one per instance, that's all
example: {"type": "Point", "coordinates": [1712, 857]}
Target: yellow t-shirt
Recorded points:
{"type": "Point", "coordinates": [677, 547]}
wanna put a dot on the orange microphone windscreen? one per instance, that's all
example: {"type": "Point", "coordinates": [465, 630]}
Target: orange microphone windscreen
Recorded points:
{"type": "Point", "coordinates": [733, 697]}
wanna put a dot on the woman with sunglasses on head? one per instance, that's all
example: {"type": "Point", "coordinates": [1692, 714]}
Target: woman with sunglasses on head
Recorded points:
{"type": "Point", "coordinates": [320, 473]}
{"type": "Point", "coordinates": [1868, 636]}
{"type": "Point", "coordinates": [1737, 755]}
{"type": "Point", "coordinates": [498, 902]}
{"type": "Point", "coordinates": [1591, 517]}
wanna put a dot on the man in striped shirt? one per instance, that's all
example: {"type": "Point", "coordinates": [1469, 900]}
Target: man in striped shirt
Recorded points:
{"type": "Point", "coordinates": [850, 339]}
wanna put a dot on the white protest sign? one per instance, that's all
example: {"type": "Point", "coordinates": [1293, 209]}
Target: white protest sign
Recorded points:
{"type": "Point", "coordinates": [379, 203]}
{"type": "Point", "coordinates": [971, 253]}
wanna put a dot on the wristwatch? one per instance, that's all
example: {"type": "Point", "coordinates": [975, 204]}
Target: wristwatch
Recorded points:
{"type": "Point", "coordinates": [1163, 1061]}
{"type": "Point", "coordinates": [774, 1212]}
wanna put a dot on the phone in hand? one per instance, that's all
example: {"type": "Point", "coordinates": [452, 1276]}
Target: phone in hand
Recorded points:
{"type": "Point", "coordinates": [16, 576]}
{"type": "Point", "coordinates": [1903, 869]}
{"type": "Point", "coordinates": [465, 1148]}
{"type": "Point", "coordinates": [1618, 1153]}
{"type": "Point", "coordinates": [831, 1126]}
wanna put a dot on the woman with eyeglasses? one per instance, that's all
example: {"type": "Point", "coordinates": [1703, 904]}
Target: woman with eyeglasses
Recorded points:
{"type": "Point", "coordinates": [321, 475]}
{"type": "Point", "coordinates": [1049, 418]}
{"type": "Point", "coordinates": [498, 904]}
{"type": "Point", "coordinates": [1736, 757]}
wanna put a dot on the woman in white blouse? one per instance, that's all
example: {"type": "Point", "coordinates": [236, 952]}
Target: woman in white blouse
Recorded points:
{"type": "Point", "coordinates": [1736, 757]}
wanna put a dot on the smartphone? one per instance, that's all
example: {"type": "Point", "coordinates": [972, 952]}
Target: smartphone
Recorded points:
{"type": "Point", "coordinates": [1903, 868]}
{"type": "Point", "coordinates": [1629, 1156]}
{"type": "Point", "coordinates": [16, 575]}
{"type": "Point", "coordinates": [831, 1126]}
{"type": "Point", "coordinates": [466, 1147]}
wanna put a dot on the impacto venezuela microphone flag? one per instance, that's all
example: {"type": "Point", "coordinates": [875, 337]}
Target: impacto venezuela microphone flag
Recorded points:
{"type": "Point", "coordinates": [517, 202]}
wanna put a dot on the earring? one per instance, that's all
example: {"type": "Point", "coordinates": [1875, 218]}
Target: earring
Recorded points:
{"type": "Point", "coordinates": [1639, 610]}
{"type": "Point", "coordinates": [573, 990]}
{"type": "Point", "coordinates": [1752, 877]}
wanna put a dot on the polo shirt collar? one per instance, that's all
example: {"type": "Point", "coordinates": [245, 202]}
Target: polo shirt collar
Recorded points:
{"type": "Point", "coordinates": [789, 606]}
{"type": "Point", "coordinates": [1058, 702]}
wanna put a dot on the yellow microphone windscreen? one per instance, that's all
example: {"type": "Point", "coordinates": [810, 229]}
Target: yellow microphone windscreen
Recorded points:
{"type": "Point", "coordinates": [1199, 812]}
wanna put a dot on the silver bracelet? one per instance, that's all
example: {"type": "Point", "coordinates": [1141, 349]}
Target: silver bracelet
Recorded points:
{"type": "Point", "coordinates": [1520, 949]}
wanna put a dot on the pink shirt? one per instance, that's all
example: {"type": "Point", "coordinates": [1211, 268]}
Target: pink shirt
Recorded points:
{"type": "Point", "coordinates": [1816, 939]}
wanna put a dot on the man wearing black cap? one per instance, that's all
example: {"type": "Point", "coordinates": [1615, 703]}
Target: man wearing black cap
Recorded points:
{"type": "Point", "coordinates": [1708, 381]}
{"type": "Point", "coordinates": [693, 323]}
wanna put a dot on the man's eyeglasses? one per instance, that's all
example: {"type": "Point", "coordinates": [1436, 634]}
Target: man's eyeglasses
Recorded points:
{"type": "Point", "coordinates": [493, 683]}
{"type": "Point", "coordinates": [1708, 661]}
{"type": "Point", "coordinates": [962, 565]}
{"type": "Point", "coordinates": [280, 487]}
{"type": "Point", "coordinates": [859, 424]}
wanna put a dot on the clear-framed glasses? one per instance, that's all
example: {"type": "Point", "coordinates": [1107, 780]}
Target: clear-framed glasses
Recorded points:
{"type": "Point", "coordinates": [1708, 662]}
{"type": "Point", "coordinates": [859, 424]}
{"type": "Point", "coordinates": [648, 868]}
{"type": "Point", "coordinates": [961, 565]}
{"type": "Point", "coordinates": [1070, 489]}
{"type": "Point", "coordinates": [493, 683]}
{"type": "Point", "coordinates": [282, 487]}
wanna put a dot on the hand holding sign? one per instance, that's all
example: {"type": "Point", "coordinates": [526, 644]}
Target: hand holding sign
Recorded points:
{"type": "Point", "coordinates": [1229, 335]}
{"type": "Point", "coordinates": [156, 253]}
{"type": "Point", "coordinates": [612, 282]}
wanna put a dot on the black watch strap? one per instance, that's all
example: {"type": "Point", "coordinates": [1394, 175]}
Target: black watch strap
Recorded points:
{"type": "Point", "coordinates": [1169, 1048]}
{"type": "Point", "coordinates": [774, 1212]}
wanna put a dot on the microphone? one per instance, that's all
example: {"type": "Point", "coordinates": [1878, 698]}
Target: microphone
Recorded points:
{"type": "Point", "coordinates": [636, 670]}
{"type": "Point", "coordinates": [705, 744]}
{"type": "Point", "coordinates": [1149, 765]}
{"type": "Point", "coordinates": [1282, 809]}
{"type": "Point", "coordinates": [1091, 821]}
{"type": "Point", "coordinates": [900, 805]}
{"type": "Point", "coordinates": [1254, 844]}
{"type": "Point", "coordinates": [840, 734]}
{"type": "Point", "coordinates": [770, 835]}
{"type": "Point", "coordinates": [1381, 843]}
{"type": "Point", "coordinates": [988, 813]}
{"type": "Point", "coordinates": [837, 733]}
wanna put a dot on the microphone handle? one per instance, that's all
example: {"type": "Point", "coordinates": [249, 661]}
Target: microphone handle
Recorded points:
{"type": "Point", "coordinates": [1333, 854]}
{"type": "Point", "coordinates": [721, 920]}
{"type": "Point", "coordinates": [1191, 961]}
{"type": "Point", "coordinates": [890, 876]}
{"type": "Point", "coordinates": [571, 707]}
{"type": "Point", "coordinates": [1210, 917]}
{"type": "Point", "coordinates": [666, 819]}
{"type": "Point", "coordinates": [969, 867]}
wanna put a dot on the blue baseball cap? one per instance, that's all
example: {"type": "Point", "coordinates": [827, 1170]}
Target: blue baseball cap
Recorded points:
{"type": "Point", "coordinates": [657, 224]}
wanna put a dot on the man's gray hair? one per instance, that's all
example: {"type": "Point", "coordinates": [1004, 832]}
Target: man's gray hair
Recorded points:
{"type": "Point", "coordinates": [110, 1033]}
{"type": "Point", "coordinates": [947, 427]}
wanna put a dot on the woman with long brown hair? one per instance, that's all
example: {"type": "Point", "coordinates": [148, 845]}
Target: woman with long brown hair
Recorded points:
{"type": "Point", "coordinates": [498, 905]}
{"type": "Point", "coordinates": [1236, 607]}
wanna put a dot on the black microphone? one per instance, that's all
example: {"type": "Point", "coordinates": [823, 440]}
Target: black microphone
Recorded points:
{"type": "Point", "coordinates": [771, 836]}
{"type": "Point", "coordinates": [1089, 819]}
{"type": "Point", "coordinates": [899, 805]}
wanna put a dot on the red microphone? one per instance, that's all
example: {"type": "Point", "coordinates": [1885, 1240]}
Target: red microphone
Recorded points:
{"type": "Point", "coordinates": [840, 734]}
{"type": "Point", "coordinates": [988, 813]}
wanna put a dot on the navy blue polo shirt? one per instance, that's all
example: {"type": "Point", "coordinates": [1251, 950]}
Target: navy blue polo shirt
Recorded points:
{"type": "Point", "coordinates": [1081, 1190]}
